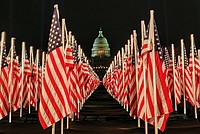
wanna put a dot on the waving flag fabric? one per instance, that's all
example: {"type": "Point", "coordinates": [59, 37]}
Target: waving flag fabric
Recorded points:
{"type": "Point", "coordinates": [54, 102]}
{"type": "Point", "coordinates": [164, 102]}
{"type": "Point", "coordinates": [4, 105]}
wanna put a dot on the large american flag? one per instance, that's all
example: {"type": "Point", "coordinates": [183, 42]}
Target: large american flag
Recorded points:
{"type": "Point", "coordinates": [164, 102]}
{"type": "Point", "coordinates": [54, 102]}
{"type": "Point", "coordinates": [4, 105]}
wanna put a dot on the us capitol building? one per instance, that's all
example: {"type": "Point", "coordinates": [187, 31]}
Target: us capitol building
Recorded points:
{"type": "Point", "coordinates": [100, 55]}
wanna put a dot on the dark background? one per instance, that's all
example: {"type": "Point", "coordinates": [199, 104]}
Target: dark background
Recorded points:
{"type": "Point", "coordinates": [29, 20]}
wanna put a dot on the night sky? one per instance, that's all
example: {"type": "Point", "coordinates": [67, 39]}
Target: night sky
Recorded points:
{"type": "Point", "coordinates": [29, 20]}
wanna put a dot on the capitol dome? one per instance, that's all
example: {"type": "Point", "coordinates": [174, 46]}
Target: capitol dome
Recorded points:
{"type": "Point", "coordinates": [100, 47]}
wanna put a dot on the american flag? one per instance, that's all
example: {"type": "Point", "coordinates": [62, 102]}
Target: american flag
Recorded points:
{"type": "Point", "coordinates": [196, 70]}
{"type": "Point", "coordinates": [196, 61]}
{"type": "Point", "coordinates": [133, 90]}
{"type": "Point", "coordinates": [85, 75]}
{"type": "Point", "coordinates": [188, 80]}
{"type": "Point", "coordinates": [92, 82]}
{"type": "Point", "coordinates": [169, 67]}
{"type": "Point", "coordinates": [173, 76]}
{"type": "Point", "coordinates": [74, 81]}
{"type": "Point", "coordinates": [176, 80]}
{"type": "Point", "coordinates": [4, 105]}
{"type": "Point", "coordinates": [77, 70]}
{"type": "Point", "coordinates": [28, 97]}
{"type": "Point", "coordinates": [107, 80]}
{"type": "Point", "coordinates": [119, 80]}
{"type": "Point", "coordinates": [81, 76]}
{"type": "Point", "coordinates": [127, 66]}
{"type": "Point", "coordinates": [54, 102]}
{"type": "Point", "coordinates": [197, 74]}
{"type": "Point", "coordinates": [113, 84]}
{"type": "Point", "coordinates": [36, 79]}
{"type": "Point", "coordinates": [141, 109]}
{"type": "Point", "coordinates": [164, 102]}
{"type": "Point", "coordinates": [14, 73]}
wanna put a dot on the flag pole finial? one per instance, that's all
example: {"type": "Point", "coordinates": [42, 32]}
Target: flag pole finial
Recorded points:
{"type": "Point", "coordinates": [3, 35]}
{"type": "Point", "coordinates": [152, 14]}
{"type": "Point", "coordinates": [56, 6]}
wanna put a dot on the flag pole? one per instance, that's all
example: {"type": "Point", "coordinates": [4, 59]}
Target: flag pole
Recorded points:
{"type": "Point", "coordinates": [68, 122]}
{"type": "Point", "coordinates": [79, 55]}
{"type": "Point", "coordinates": [199, 54]}
{"type": "Point", "coordinates": [61, 127]}
{"type": "Point", "coordinates": [63, 45]}
{"type": "Point", "coordinates": [22, 70]}
{"type": "Point", "coordinates": [183, 74]}
{"type": "Point", "coordinates": [144, 71]}
{"type": "Point", "coordinates": [151, 34]}
{"type": "Point", "coordinates": [145, 101]}
{"type": "Point", "coordinates": [129, 54]}
{"type": "Point", "coordinates": [125, 52]}
{"type": "Point", "coordinates": [117, 65]}
{"type": "Point", "coordinates": [37, 77]}
{"type": "Point", "coordinates": [79, 103]}
{"type": "Point", "coordinates": [10, 78]}
{"type": "Point", "coordinates": [53, 129]}
{"type": "Point", "coordinates": [173, 61]}
{"type": "Point", "coordinates": [31, 63]}
{"type": "Point", "coordinates": [134, 42]}
{"type": "Point", "coordinates": [199, 59]}
{"type": "Point", "coordinates": [69, 39]}
{"type": "Point", "coordinates": [1, 52]}
{"type": "Point", "coordinates": [193, 75]}
{"type": "Point", "coordinates": [119, 61]}
{"type": "Point", "coordinates": [122, 63]}
{"type": "Point", "coordinates": [1, 55]}
{"type": "Point", "coordinates": [63, 34]}
{"type": "Point", "coordinates": [3, 36]}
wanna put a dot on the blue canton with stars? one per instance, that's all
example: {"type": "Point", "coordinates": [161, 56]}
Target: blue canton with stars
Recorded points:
{"type": "Point", "coordinates": [158, 46]}
{"type": "Point", "coordinates": [55, 32]}
{"type": "Point", "coordinates": [4, 61]}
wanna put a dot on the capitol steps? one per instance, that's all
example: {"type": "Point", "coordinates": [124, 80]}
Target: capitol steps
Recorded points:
{"type": "Point", "coordinates": [100, 106]}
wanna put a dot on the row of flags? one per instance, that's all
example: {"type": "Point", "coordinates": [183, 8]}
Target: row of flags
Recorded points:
{"type": "Point", "coordinates": [60, 85]}
{"type": "Point", "coordinates": [150, 82]}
